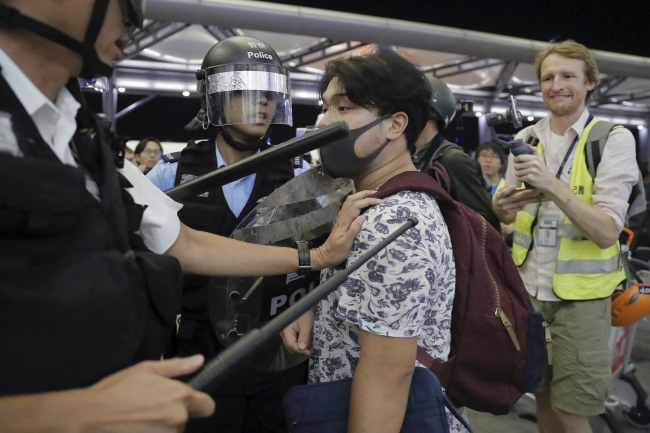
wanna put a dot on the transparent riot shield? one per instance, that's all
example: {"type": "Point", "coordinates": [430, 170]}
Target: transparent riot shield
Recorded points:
{"type": "Point", "coordinates": [305, 208]}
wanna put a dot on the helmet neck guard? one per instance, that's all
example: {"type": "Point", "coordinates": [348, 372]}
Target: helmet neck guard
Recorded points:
{"type": "Point", "coordinates": [243, 147]}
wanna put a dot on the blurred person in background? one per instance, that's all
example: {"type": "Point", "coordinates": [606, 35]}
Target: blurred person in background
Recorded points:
{"type": "Point", "coordinates": [129, 155]}
{"type": "Point", "coordinates": [147, 154]}
{"type": "Point", "coordinates": [465, 175]}
{"type": "Point", "coordinates": [492, 160]}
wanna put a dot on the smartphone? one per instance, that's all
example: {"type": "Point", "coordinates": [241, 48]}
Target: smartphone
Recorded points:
{"type": "Point", "coordinates": [514, 116]}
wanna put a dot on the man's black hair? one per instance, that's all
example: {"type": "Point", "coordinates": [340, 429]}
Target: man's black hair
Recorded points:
{"type": "Point", "coordinates": [386, 81]}
{"type": "Point", "coordinates": [498, 150]}
{"type": "Point", "coordinates": [143, 143]}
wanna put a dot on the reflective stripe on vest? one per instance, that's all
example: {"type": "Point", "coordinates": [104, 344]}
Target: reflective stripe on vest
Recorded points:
{"type": "Point", "coordinates": [583, 271]}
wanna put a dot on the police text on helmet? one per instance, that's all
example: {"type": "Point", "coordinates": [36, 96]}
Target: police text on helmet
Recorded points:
{"type": "Point", "coordinates": [260, 55]}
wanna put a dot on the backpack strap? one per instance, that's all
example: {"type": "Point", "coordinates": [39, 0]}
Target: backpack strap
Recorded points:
{"type": "Point", "coordinates": [439, 173]}
{"type": "Point", "coordinates": [595, 144]}
{"type": "Point", "coordinates": [415, 181]}
{"type": "Point", "coordinates": [594, 148]}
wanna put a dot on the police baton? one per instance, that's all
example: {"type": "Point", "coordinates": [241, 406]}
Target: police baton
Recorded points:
{"type": "Point", "coordinates": [282, 152]}
{"type": "Point", "coordinates": [220, 367]}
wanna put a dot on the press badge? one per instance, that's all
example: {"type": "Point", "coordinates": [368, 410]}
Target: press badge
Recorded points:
{"type": "Point", "coordinates": [547, 232]}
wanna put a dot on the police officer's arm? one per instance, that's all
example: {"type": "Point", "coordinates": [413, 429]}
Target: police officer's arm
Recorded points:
{"type": "Point", "coordinates": [463, 174]}
{"type": "Point", "coordinates": [141, 398]}
{"type": "Point", "coordinates": [207, 254]}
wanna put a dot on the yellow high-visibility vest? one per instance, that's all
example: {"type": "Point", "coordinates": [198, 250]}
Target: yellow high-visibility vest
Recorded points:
{"type": "Point", "coordinates": [583, 271]}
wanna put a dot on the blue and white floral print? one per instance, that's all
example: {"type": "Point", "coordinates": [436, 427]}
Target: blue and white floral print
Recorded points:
{"type": "Point", "coordinates": [405, 290]}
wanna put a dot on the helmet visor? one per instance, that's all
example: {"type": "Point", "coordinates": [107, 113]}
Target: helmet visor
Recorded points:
{"type": "Point", "coordinates": [248, 94]}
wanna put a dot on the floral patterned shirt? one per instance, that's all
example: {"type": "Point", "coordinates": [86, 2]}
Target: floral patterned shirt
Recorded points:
{"type": "Point", "coordinates": [407, 289]}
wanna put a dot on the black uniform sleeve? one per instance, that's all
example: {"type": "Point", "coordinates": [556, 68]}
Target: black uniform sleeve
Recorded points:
{"type": "Point", "coordinates": [467, 185]}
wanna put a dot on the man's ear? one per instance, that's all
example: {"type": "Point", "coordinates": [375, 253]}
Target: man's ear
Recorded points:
{"type": "Point", "coordinates": [398, 123]}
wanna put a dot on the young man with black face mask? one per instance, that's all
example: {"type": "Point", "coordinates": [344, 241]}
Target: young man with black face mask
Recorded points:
{"type": "Point", "coordinates": [369, 328]}
{"type": "Point", "coordinates": [241, 117]}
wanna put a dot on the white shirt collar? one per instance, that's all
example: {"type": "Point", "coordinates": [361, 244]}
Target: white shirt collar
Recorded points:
{"type": "Point", "coordinates": [545, 125]}
{"type": "Point", "coordinates": [54, 121]}
{"type": "Point", "coordinates": [28, 94]}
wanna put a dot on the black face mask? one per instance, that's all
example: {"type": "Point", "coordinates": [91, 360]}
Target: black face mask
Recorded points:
{"type": "Point", "coordinates": [340, 160]}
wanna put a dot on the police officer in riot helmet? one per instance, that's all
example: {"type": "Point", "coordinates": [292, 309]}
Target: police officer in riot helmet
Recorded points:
{"type": "Point", "coordinates": [244, 92]}
{"type": "Point", "coordinates": [468, 184]}
{"type": "Point", "coordinates": [85, 292]}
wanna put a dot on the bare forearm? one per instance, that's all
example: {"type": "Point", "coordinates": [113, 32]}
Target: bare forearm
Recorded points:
{"type": "Point", "coordinates": [593, 223]}
{"type": "Point", "coordinates": [34, 413]}
{"type": "Point", "coordinates": [207, 254]}
{"type": "Point", "coordinates": [379, 397]}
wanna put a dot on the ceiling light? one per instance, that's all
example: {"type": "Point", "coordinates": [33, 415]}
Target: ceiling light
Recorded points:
{"type": "Point", "coordinates": [530, 118]}
{"type": "Point", "coordinates": [121, 90]}
{"type": "Point", "coordinates": [640, 127]}
{"type": "Point", "coordinates": [186, 93]}
{"type": "Point", "coordinates": [478, 114]}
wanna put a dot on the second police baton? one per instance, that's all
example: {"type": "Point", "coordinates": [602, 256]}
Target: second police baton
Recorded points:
{"type": "Point", "coordinates": [220, 367]}
{"type": "Point", "coordinates": [285, 151]}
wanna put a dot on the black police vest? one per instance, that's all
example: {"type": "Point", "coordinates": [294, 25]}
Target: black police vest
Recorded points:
{"type": "Point", "coordinates": [74, 304]}
{"type": "Point", "coordinates": [210, 212]}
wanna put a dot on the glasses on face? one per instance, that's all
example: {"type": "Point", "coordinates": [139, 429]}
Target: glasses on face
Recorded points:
{"type": "Point", "coordinates": [488, 156]}
{"type": "Point", "coordinates": [152, 152]}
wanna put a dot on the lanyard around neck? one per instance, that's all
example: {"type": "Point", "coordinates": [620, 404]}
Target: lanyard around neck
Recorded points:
{"type": "Point", "coordinates": [573, 144]}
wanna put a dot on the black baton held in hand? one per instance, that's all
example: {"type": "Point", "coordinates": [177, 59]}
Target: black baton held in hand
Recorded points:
{"type": "Point", "coordinates": [220, 367]}
{"type": "Point", "coordinates": [282, 152]}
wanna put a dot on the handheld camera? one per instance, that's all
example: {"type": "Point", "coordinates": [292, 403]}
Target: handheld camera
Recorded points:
{"type": "Point", "coordinates": [512, 115]}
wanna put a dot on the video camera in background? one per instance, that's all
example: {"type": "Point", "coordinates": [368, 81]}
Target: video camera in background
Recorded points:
{"type": "Point", "coordinates": [464, 106]}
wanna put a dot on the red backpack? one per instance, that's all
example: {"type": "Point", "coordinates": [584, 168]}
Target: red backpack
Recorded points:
{"type": "Point", "coordinates": [497, 339]}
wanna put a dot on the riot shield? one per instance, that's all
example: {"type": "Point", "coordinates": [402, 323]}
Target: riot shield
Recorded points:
{"type": "Point", "coordinates": [305, 208]}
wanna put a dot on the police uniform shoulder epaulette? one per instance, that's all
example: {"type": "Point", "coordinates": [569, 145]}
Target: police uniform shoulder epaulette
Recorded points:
{"type": "Point", "coordinates": [172, 157]}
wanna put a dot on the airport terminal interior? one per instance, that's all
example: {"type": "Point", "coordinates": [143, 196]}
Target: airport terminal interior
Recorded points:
{"type": "Point", "coordinates": [483, 51]}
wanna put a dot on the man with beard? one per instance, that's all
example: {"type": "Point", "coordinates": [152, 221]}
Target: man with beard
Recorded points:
{"type": "Point", "coordinates": [567, 248]}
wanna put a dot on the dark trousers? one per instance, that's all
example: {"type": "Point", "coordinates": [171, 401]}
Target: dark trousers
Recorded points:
{"type": "Point", "coordinates": [250, 401]}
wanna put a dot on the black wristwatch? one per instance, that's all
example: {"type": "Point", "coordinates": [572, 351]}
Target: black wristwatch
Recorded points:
{"type": "Point", "coordinates": [304, 259]}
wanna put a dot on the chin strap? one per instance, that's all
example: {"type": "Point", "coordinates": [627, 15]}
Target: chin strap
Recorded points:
{"type": "Point", "coordinates": [242, 147]}
{"type": "Point", "coordinates": [92, 65]}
